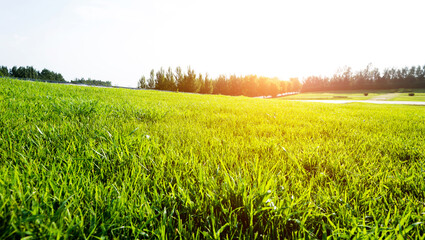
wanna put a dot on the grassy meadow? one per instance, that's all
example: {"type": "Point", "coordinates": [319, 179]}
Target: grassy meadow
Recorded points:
{"type": "Point", "coordinates": [331, 96]}
{"type": "Point", "coordinates": [420, 97]}
{"type": "Point", "coordinates": [101, 163]}
{"type": "Point", "coordinates": [399, 95]}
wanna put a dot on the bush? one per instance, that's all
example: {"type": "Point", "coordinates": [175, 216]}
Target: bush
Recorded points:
{"type": "Point", "coordinates": [411, 94]}
{"type": "Point", "coordinates": [365, 94]}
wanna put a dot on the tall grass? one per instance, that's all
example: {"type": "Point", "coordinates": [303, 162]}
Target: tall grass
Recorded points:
{"type": "Point", "coordinates": [96, 163]}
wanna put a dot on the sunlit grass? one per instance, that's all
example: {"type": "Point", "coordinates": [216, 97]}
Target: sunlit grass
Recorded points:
{"type": "Point", "coordinates": [81, 162]}
{"type": "Point", "coordinates": [331, 96]}
{"type": "Point", "coordinates": [420, 97]}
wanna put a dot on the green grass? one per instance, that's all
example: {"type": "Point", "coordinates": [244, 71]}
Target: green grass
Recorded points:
{"type": "Point", "coordinates": [359, 95]}
{"type": "Point", "coordinates": [331, 96]}
{"type": "Point", "coordinates": [99, 163]}
{"type": "Point", "coordinates": [419, 97]}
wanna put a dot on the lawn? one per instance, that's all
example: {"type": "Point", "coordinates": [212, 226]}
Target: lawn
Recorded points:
{"type": "Point", "coordinates": [419, 97]}
{"type": "Point", "coordinates": [331, 96]}
{"type": "Point", "coordinates": [101, 163]}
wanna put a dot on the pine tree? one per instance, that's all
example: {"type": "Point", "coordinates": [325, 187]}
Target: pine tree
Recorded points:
{"type": "Point", "coordinates": [151, 80]}
{"type": "Point", "coordinates": [207, 85]}
{"type": "Point", "coordinates": [189, 82]}
{"type": "Point", "coordinates": [160, 83]}
{"type": "Point", "coordinates": [142, 83]}
{"type": "Point", "coordinates": [170, 80]}
{"type": "Point", "coordinates": [4, 72]}
{"type": "Point", "coordinates": [179, 78]}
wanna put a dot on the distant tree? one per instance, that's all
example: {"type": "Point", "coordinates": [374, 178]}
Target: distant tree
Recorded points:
{"type": "Point", "coordinates": [178, 76]}
{"type": "Point", "coordinates": [310, 84]}
{"type": "Point", "coordinates": [290, 88]}
{"type": "Point", "coordinates": [296, 85]}
{"type": "Point", "coordinates": [207, 85]}
{"type": "Point", "coordinates": [220, 85]}
{"type": "Point", "coordinates": [13, 71]}
{"type": "Point", "coordinates": [235, 85]}
{"type": "Point", "coordinates": [59, 78]}
{"type": "Point", "coordinates": [170, 82]}
{"type": "Point", "coordinates": [151, 80]}
{"type": "Point", "coordinates": [346, 78]}
{"type": "Point", "coordinates": [262, 87]}
{"type": "Point", "coordinates": [284, 86]}
{"type": "Point", "coordinates": [392, 80]}
{"type": "Point", "coordinates": [160, 82]}
{"type": "Point", "coordinates": [376, 78]}
{"type": "Point", "coordinates": [411, 77]}
{"type": "Point", "coordinates": [31, 73]}
{"type": "Point", "coordinates": [200, 81]}
{"type": "Point", "coordinates": [90, 81]}
{"type": "Point", "coordinates": [420, 75]}
{"type": "Point", "coordinates": [190, 82]}
{"type": "Point", "coordinates": [369, 78]}
{"type": "Point", "coordinates": [274, 88]}
{"type": "Point", "coordinates": [19, 72]}
{"type": "Point", "coordinates": [4, 72]}
{"type": "Point", "coordinates": [420, 72]}
{"type": "Point", "coordinates": [252, 85]}
{"type": "Point", "coordinates": [46, 74]}
{"type": "Point", "coordinates": [384, 80]}
{"type": "Point", "coordinates": [142, 83]}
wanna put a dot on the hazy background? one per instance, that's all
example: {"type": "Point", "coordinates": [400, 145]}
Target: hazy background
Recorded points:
{"type": "Point", "coordinates": [119, 41]}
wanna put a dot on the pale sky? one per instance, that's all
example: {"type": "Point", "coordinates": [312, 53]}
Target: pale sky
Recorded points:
{"type": "Point", "coordinates": [121, 40]}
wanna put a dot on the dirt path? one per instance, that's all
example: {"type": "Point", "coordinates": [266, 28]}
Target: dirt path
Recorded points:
{"type": "Point", "coordinates": [384, 97]}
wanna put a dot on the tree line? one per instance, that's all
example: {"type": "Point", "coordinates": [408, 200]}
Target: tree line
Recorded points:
{"type": "Point", "coordinates": [370, 78]}
{"type": "Point", "coordinates": [90, 81]}
{"type": "Point", "coordinates": [30, 72]}
{"type": "Point", "coordinates": [189, 81]}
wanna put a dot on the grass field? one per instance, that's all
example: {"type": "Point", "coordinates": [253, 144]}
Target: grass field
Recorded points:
{"type": "Point", "coordinates": [331, 96]}
{"type": "Point", "coordinates": [359, 95]}
{"type": "Point", "coordinates": [100, 163]}
{"type": "Point", "coordinates": [420, 97]}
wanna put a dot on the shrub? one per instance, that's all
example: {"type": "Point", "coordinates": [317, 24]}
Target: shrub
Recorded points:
{"type": "Point", "coordinates": [411, 94]}
{"type": "Point", "coordinates": [365, 94]}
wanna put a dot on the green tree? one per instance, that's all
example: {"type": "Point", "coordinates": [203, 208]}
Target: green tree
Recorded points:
{"type": "Point", "coordinates": [59, 78]}
{"type": "Point", "coordinates": [151, 80]}
{"type": "Point", "coordinates": [420, 75]}
{"type": "Point", "coordinates": [235, 85]}
{"type": "Point", "coordinates": [178, 78]}
{"type": "Point", "coordinates": [13, 71]}
{"type": "Point", "coordinates": [45, 74]}
{"type": "Point", "coordinates": [142, 83]}
{"type": "Point", "coordinates": [170, 82]}
{"type": "Point", "coordinates": [160, 82]}
{"type": "Point", "coordinates": [4, 72]}
{"type": "Point", "coordinates": [220, 85]}
{"type": "Point", "coordinates": [207, 85]}
{"type": "Point", "coordinates": [189, 82]}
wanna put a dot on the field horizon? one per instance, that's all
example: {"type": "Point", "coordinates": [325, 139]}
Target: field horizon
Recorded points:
{"type": "Point", "coordinates": [105, 163]}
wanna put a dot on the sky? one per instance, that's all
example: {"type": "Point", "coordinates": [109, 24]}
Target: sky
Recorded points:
{"type": "Point", "coordinates": [120, 41]}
